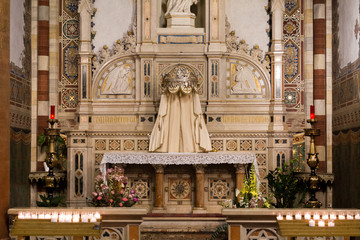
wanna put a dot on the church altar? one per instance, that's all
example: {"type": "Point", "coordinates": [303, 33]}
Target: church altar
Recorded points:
{"type": "Point", "coordinates": [199, 161]}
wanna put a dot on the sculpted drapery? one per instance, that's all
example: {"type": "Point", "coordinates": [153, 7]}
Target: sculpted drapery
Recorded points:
{"type": "Point", "coordinates": [179, 6]}
{"type": "Point", "coordinates": [180, 125]}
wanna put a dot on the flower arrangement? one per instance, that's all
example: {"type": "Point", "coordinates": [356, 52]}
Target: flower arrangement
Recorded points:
{"type": "Point", "coordinates": [249, 196]}
{"type": "Point", "coordinates": [113, 191]}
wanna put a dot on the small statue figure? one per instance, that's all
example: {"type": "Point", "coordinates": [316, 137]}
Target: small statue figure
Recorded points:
{"type": "Point", "coordinates": [179, 6]}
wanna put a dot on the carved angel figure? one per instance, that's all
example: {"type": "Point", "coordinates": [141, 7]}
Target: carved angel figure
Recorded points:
{"type": "Point", "coordinates": [179, 6]}
{"type": "Point", "coordinates": [118, 81]}
{"type": "Point", "coordinates": [244, 81]}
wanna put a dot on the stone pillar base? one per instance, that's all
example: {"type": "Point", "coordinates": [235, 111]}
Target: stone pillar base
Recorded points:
{"type": "Point", "coordinates": [180, 20]}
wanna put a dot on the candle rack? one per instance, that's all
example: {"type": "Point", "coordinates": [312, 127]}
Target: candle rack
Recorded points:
{"type": "Point", "coordinates": [313, 162]}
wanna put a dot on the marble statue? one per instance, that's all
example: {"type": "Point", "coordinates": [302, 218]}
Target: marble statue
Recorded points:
{"type": "Point", "coordinates": [179, 6]}
{"type": "Point", "coordinates": [118, 81]}
{"type": "Point", "coordinates": [244, 81]}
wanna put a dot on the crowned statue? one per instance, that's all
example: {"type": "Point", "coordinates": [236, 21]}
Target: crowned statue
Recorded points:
{"type": "Point", "coordinates": [180, 124]}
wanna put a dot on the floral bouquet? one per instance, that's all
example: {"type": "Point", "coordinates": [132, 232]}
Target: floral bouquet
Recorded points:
{"type": "Point", "coordinates": [249, 196]}
{"type": "Point", "coordinates": [113, 192]}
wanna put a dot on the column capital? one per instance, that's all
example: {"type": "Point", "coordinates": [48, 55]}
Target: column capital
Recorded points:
{"type": "Point", "coordinates": [200, 168]}
{"type": "Point", "coordinates": [240, 168]}
{"type": "Point", "coordinates": [158, 168]}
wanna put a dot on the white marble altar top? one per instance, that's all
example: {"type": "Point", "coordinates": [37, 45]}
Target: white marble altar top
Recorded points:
{"type": "Point", "coordinates": [179, 159]}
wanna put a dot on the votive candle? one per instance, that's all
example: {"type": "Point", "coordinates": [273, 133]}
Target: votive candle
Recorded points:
{"type": "Point", "coordinates": [289, 217]}
{"type": "Point", "coordinates": [321, 223]}
{"type": "Point", "coordinates": [325, 216]}
{"type": "Point", "coordinates": [52, 112]}
{"type": "Point", "coordinates": [331, 223]}
{"type": "Point", "coordinates": [341, 217]}
{"type": "Point", "coordinates": [279, 217]}
{"type": "Point", "coordinates": [350, 217]}
{"type": "Point", "coordinates": [311, 223]}
{"type": "Point", "coordinates": [316, 216]}
{"type": "Point", "coordinates": [357, 216]}
{"type": "Point", "coordinates": [307, 216]}
{"type": "Point", "coordinates": [312, 112]}
{"type": "Point", "coordinates": [332, 216]}
{"type": "Point", "coordinates": [298, 216]}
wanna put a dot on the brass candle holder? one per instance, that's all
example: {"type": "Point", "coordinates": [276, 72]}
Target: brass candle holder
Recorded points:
{"type": "Point", "coordinates": [313, 162]}
{"type": "Point", "coordinates": [51, 159]}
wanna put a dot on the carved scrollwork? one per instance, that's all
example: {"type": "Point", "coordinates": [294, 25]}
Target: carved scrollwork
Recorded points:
{"type": "Point", "coordinates": [241, 47]}
{"type": "Point", "coordinates": [124, 46]}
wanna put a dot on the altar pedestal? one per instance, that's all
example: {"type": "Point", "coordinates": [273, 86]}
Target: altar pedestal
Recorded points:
{"type": "Point", "coordinates": [180, 20]}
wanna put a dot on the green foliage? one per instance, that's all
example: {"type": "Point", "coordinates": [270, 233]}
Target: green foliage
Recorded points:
{"type": "Point", "coordinates": [54, 202]}
{"type": "Point", "coordinates": [220, 231]}
{"type": "Point", "coordinates": [60, 148]}
{"type": "Point", "coordinates": [286, 187]}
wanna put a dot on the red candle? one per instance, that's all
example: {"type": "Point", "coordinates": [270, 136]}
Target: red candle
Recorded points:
{"type": "Point", "coordinates": [52, 113]}
{"type": "Point", "coordinates": [312, 112]}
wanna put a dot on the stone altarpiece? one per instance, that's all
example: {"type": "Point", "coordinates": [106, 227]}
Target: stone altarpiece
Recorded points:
{"type": "Point", "coordinates": [119, 92]}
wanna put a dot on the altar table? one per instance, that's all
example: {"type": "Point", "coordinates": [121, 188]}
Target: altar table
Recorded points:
{"type": "Point", "coordinates": [198, 160]}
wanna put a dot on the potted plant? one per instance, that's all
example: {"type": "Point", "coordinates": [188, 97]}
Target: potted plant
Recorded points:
{"type": "Point", "coordinates": [285, 187]}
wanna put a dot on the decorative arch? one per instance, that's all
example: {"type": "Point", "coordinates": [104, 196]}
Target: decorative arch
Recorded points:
{"type": "Point", "coordinates": [260, 74]}
{"type": "Point", "coordinates": [122, 68]}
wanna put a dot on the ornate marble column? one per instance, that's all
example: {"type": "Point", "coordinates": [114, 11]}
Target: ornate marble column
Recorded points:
{"type": "Point", "coordinates": [199, 189]}
{"type": "Point", "coordinates": [159, 186]}
{"type": "Point", "coordinates": [277, 51]}
{"type": "Point", "coordinates": [86, 10]}
{"type": "Point", "coordinates": [240, 175]}
{"type": "Point", "coordinates": [4, 116]}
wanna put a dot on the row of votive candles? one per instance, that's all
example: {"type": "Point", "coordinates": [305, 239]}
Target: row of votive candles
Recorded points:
{"type": "Point", "coordinates": [324, 218]}
{"type": "Point", "coordinates": [61, 216]}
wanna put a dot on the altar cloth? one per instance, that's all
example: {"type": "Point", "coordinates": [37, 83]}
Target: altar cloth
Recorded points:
{"type": "Point", "coordinates": [180, 159]}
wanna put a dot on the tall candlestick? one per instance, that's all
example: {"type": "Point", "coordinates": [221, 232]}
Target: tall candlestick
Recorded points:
{"type": "Point", "coordinates": [312, 112]}
{"type": "Point", "coordinates": [52, 113]}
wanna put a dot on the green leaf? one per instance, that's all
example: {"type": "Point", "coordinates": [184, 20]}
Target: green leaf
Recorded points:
{"type": "Point", "coordinates": [42, 139]}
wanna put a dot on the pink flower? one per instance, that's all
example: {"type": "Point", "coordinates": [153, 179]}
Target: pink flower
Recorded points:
{"type": "Point", "coordinates": [132, 191]}
{"type": "Point", "coordinates": [99, 177]}
{"type": "Point", "coordinates": [135, 199]}
{"type": "Point", "coordinates": [125, 199]}
{"type": "Point", "coordinates": [111, 200]}
{"type": "Point", "coordinates": [100, 193]}
{"type": "Point", "coordinates": [99, 198]}
{"type": "Point", "coordinates": [112, 192]}
{"type": "Point", "coordinates": [122, 191]}
{"type": "Point", "coordinates": [120, 204]}
{"type": "Point", "coordinates": [94, 194]}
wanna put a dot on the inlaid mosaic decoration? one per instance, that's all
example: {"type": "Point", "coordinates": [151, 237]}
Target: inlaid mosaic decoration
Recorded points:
{"type": "Point", "coordinates": [69, 45]}
{"type": "Point", "coordinates": [294, 83]}
{"type": "Point", "coordinates": [141, 187]}
{"type": "Point", "coordinates": [179, 189]}
{"type": "Point", "coordinates": [219, 189]}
